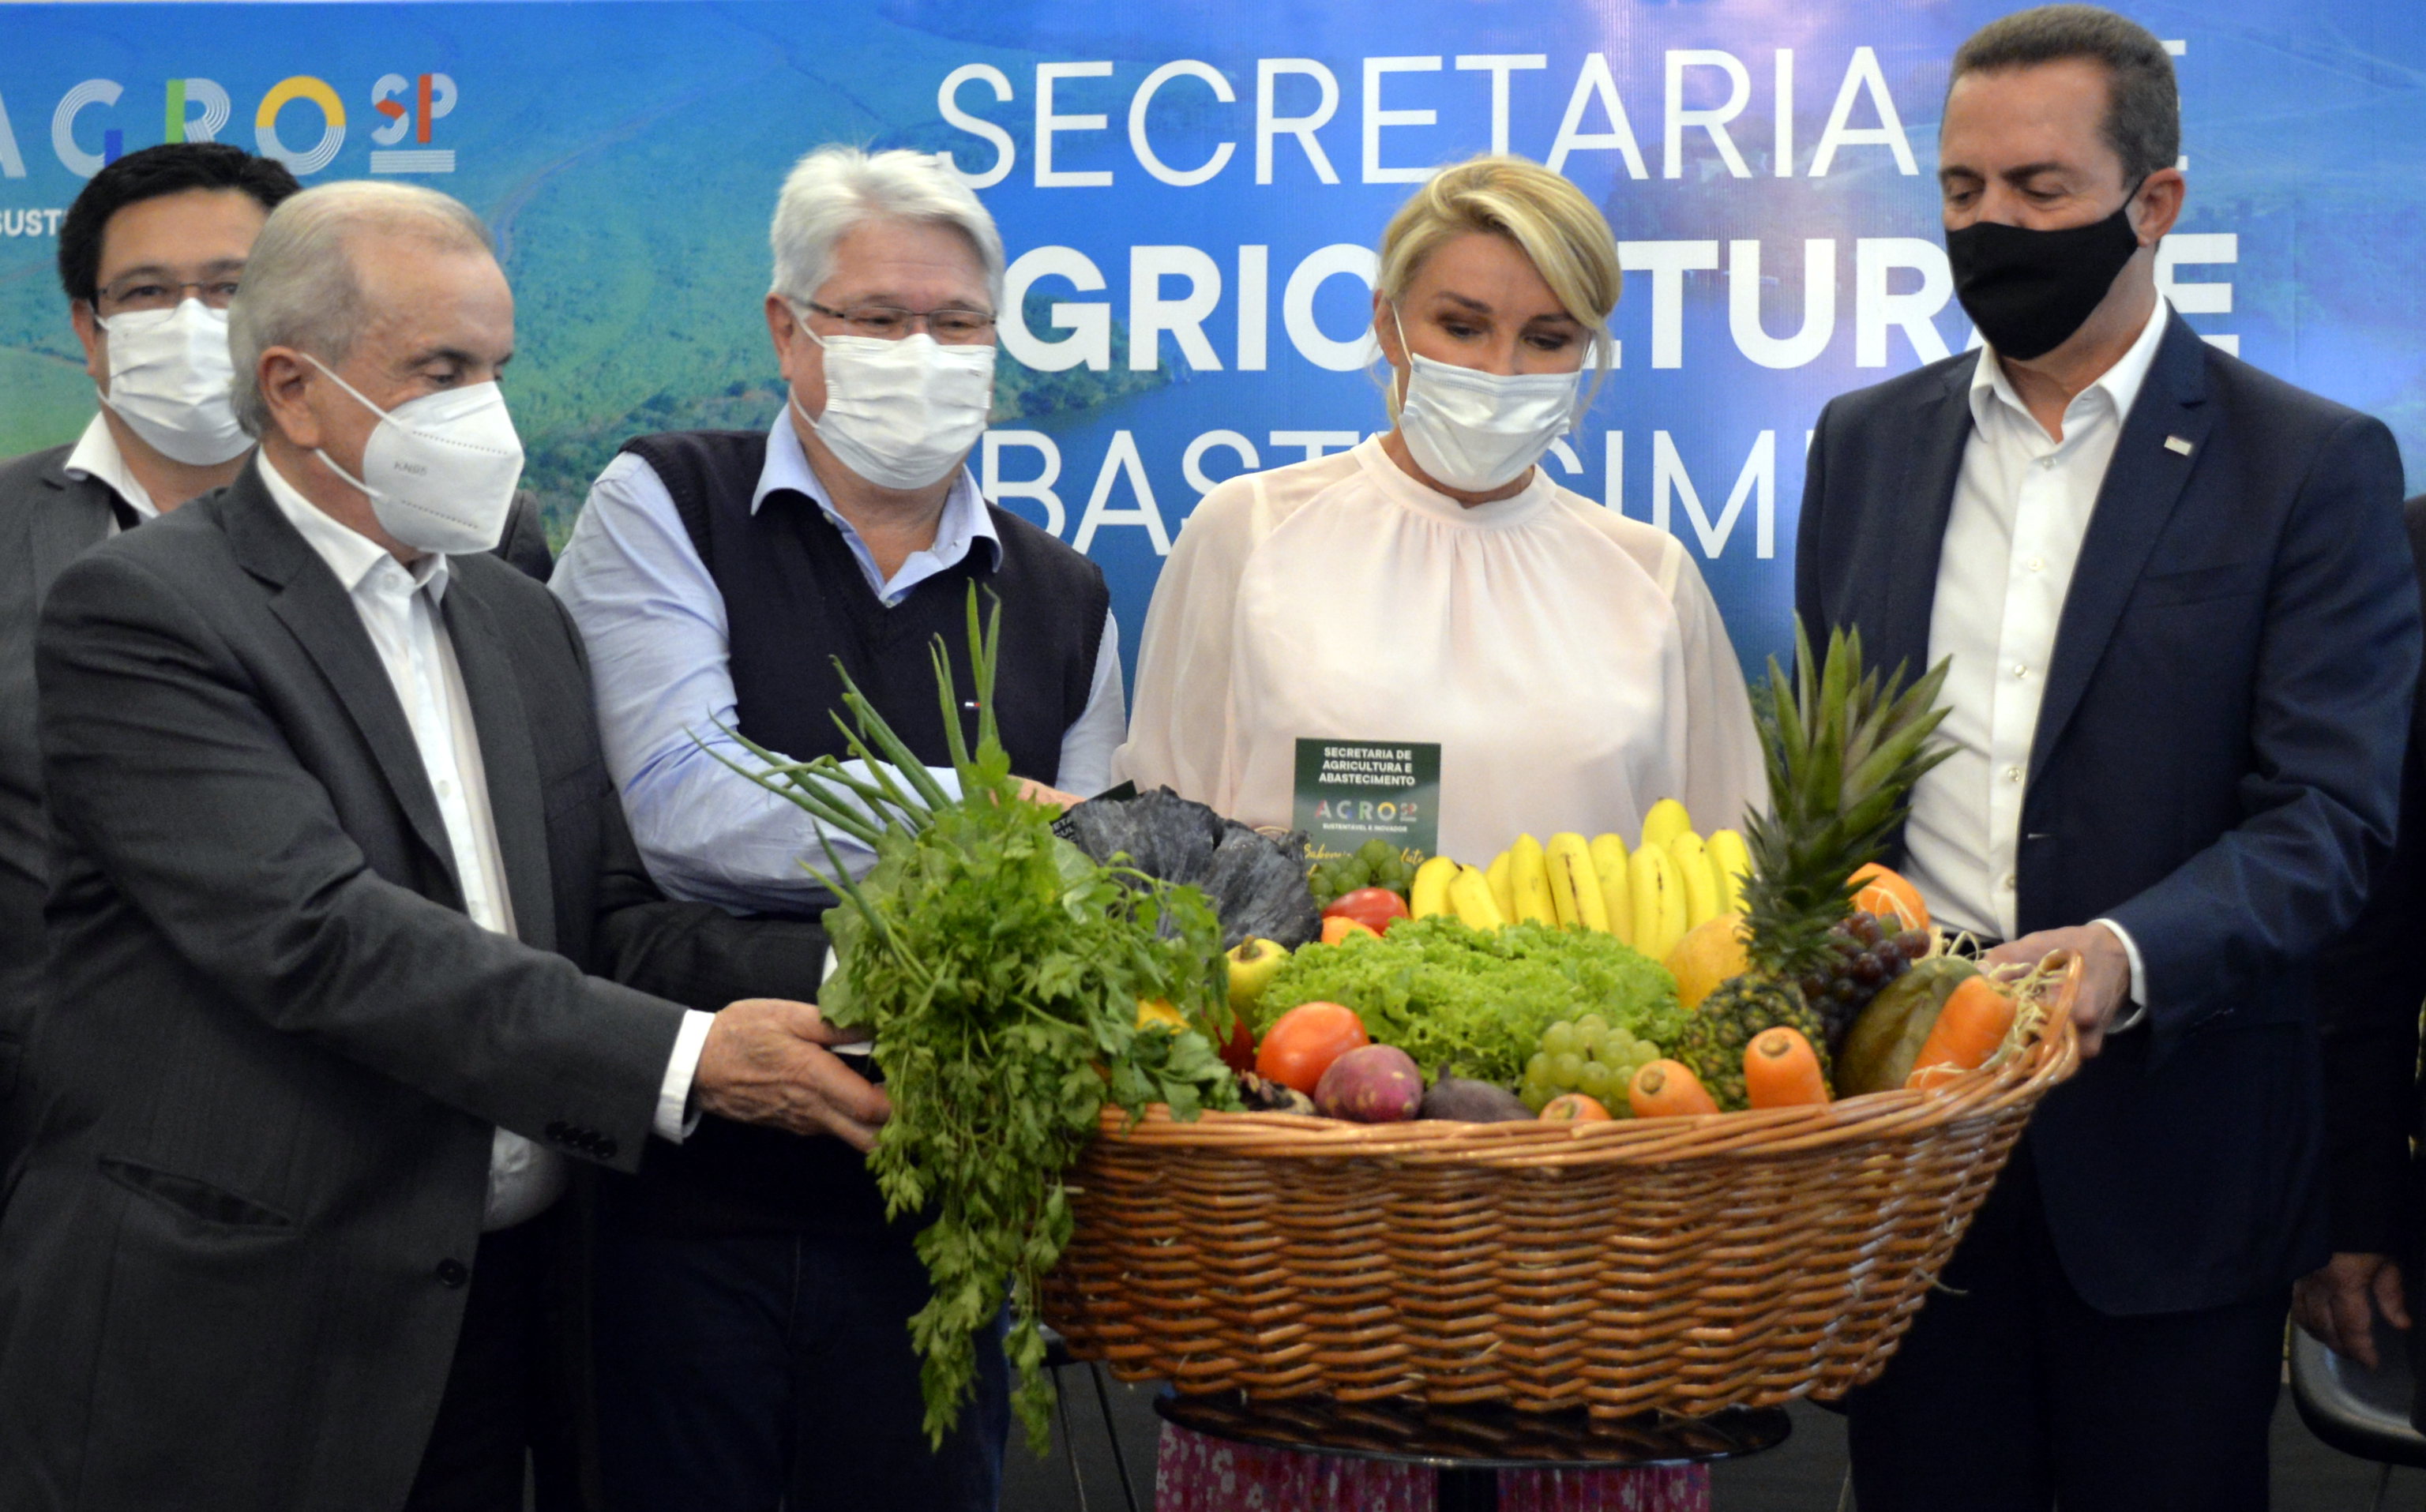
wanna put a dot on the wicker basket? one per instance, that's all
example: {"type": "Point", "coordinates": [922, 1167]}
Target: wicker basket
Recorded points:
{"type": "Point", "coordinates": [1682, 1265]}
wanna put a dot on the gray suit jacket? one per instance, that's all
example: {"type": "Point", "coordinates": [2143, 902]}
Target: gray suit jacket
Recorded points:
{"type": "Point", "coordinates": [271, 1048]}
{"type": "Point", "coordinates": [46, 520]}
{"type": "Point", "coordinates": [48, 517]}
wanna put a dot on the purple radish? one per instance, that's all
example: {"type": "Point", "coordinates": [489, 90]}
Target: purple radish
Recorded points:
{"type": "Point", "coordinates": [1376, 1084]}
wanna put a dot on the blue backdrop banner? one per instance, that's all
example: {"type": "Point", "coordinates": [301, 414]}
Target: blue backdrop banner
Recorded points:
{"type": "Point", "coordinates": [1190, 193]}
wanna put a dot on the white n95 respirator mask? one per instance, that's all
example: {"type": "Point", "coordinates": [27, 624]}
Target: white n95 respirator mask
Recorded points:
{"type": "Point", "coordinates": [440, 470]}
{"type": "Point", "coordinates": [901, 413]}
{"type": "Point", "coordinates": [170, 377]}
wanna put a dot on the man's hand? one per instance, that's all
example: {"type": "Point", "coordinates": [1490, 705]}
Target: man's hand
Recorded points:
{"type": "Point", "coordinates": [1035, 792]}
{"type": "Point", "coordinates": [766, 1062]}
{"type": "Point", "coordinates": [2337, 1304]}
{"type": "Point", "coordinates": [2105, 974]}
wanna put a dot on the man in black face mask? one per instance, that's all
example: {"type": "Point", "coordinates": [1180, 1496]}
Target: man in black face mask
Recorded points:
{"type": "Point", "coordinates": [2183, 631]}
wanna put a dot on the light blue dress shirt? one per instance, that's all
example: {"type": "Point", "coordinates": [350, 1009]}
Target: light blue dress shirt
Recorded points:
{"type": "Point", "coordinates": [655, 628]}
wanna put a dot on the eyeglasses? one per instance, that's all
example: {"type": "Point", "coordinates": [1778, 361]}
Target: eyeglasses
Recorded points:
{"type": "Point", "coordinates": [144, 291]}
{"type": "Point", "coordinates": [887, 322]}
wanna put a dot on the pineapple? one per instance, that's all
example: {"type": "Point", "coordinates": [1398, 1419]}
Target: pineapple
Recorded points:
{"type": "Point", "coordinates": [1843, 753]}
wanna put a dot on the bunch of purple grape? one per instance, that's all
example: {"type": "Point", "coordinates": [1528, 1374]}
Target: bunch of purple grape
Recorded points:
{"type": "Point", "coordinates": [1867, 958]}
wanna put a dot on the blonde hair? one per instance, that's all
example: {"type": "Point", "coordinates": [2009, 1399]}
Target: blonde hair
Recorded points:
{"type": "Point", "coordinates": [1560, 231]}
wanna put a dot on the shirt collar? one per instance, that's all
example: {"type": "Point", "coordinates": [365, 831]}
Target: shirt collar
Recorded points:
{"type": "Point", "coordinates": [1395, 484]}
{"type": "Point", "coordinates": [350, 554]}
{"type": "Point", "coordinates": [2121, 382]}
{"type": "Point", "coordinates": [965, 518]}
{"type": "Point", "coordinates": [97, 456]}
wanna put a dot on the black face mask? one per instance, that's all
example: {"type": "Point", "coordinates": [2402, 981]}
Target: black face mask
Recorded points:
{"type": "Point", "coordinates": [2027, 291]}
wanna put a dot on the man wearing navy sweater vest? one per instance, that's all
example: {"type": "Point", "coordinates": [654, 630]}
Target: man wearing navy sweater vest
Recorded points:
{"type": "Point", "coordinates": [752, 1302]}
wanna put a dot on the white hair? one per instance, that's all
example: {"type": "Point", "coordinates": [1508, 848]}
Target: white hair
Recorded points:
{"type": "Point", "coordinates": [834, 189]}
{"type": "Point", "coordinates": [298, 288]}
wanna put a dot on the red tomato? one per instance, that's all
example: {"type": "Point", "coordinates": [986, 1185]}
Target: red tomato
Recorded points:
{"type": "Point", "coordinates": [1372, 906]}
{"type": "Point", "coordinates": [1240, 1053]}
{"type": "Point", "coordinates": [1301, 1045]}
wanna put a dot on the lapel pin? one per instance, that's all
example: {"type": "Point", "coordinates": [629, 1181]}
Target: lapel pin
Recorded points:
{"type": "Point", "coordinates": [2178, 444]}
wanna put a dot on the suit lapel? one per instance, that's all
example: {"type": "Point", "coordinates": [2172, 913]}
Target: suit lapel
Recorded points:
{"type": "Point", "coordinates": [70, 525]}
{"type": "Point", "coordinates": [515, 801]}
{"type": "Point", "coordinates": [323, 620]}
{"type": "Point", "coordinates": [1900, 635]}
{"type": "Point", "coordinates": [2143, 484]}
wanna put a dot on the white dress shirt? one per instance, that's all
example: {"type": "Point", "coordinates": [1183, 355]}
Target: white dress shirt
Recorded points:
{"type": "Point", "coordinates": [400, 610]}
{"type": "Point", "coordinates": [660, 661]}
{"type": "Point", "coordinates": [2022, 505]}
{"type": "Point", "coordinates": [97, 456]}
{"type": "Point", "coordinates": [1569, 661]}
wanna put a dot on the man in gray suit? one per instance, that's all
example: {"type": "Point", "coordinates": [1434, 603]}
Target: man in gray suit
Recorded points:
{"type": "Point", "coordinates": [151, 252]}
{"type": "Point", "coordinates": [335, 848]}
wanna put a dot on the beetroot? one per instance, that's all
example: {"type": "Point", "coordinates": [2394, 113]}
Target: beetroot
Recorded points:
{"type": "Point", "coordinates": [1376, 1084]}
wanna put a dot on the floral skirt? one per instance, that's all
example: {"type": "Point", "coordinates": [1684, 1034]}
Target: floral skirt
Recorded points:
{"type": "Point", "coordinates": [1194, 1472]}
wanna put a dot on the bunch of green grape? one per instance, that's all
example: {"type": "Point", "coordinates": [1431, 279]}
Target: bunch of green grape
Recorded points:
{"type": "Point", "coordinates": [1587, 1056]}
{"type": "Point", "coordinates": [1374, 864]}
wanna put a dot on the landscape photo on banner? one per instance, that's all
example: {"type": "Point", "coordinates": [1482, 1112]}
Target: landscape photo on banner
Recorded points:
{"type": "Point", "coordinates": [1191, 192]}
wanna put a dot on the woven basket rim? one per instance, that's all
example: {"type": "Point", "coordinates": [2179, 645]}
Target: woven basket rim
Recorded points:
{"type": "Point", "coordinates": [2051, 1056]}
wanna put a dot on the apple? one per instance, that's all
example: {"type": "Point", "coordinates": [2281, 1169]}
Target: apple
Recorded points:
{"type": "Point", "coordinates": [1253, 966]}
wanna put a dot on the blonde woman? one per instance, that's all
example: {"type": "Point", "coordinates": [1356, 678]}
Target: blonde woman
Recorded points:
{"type": "Point", "coordinates": [1434, 584]}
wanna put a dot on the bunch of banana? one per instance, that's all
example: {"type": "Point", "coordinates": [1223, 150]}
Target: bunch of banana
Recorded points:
{"type": "Point", "coordinates": [1681, 879]}
{"type": "Point", "coordinates": [1442, 886]}
{"type": "Point", "coordinates": [1648, 896]}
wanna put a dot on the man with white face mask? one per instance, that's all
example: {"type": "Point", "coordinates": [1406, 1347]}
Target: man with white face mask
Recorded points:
{"type": "Point", "coordinates": [336, 849]}
{"type": "Point", "coordinates": [752, 1302]}
{"type": "Point", "coordinates": [150, 254]}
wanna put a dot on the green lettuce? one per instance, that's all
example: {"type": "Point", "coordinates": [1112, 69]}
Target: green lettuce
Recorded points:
{"type": "Point", "coordinates": [1474, 1003]}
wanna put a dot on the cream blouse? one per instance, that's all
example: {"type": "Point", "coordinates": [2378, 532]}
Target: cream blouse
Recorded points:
{"type": "Point", "coordinates": [1569, 661]}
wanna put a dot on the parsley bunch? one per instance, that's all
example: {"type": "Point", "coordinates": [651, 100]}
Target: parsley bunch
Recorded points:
{"type": "Point", "coordinates": [999, 969]}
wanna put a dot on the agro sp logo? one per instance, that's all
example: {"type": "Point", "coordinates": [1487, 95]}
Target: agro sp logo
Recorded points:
{"type": "Point", "coordinates": [86, 133]}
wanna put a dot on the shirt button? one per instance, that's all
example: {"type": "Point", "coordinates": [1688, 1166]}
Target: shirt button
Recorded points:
{"type": "Point", "coordinates": [2012, 774]}
{"type": "Point", "coordinates": [2021, 669]}
{"type": "Point", "coordinates": [2038, 564]}
{"type": "Point", "coordinates": [452, 1273]}
{"type": "Point", "coordinates": [2008, 883]}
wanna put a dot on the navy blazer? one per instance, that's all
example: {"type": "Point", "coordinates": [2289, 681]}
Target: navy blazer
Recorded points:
{"type": "Point", "coordinates": [2216, 767]}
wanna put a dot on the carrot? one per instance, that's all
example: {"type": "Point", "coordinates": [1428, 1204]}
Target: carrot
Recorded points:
{"type": "Point", "coordinates": [1975, 1021]}
{"type": "Point", "coordinates": [1574, 1107]}
{"type": "Point", "coordinates": [1782, 1071]}
{"type": "Point", "coordinates": [1666, 1089]}
{"type": "Point", "coordinates": [1931, 1077]}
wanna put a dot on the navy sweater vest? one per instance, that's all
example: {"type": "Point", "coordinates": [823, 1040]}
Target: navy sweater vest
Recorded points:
{"type": "Point", "coordinates": [795, 600]}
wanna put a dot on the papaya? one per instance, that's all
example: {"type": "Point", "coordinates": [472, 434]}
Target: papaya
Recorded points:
{"type": "Point", "coordinates": [1880, 1049]}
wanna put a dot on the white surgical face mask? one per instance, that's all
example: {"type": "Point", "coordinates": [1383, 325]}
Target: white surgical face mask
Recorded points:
{"type": "Point", "coordinates": [1476, 431]}
{"type": "Point", "coordinates": [169, 378]}
{"type": "Point", "coordinates": [901, 413]}
{"type": "Point", "coordinates": [440, 470]}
